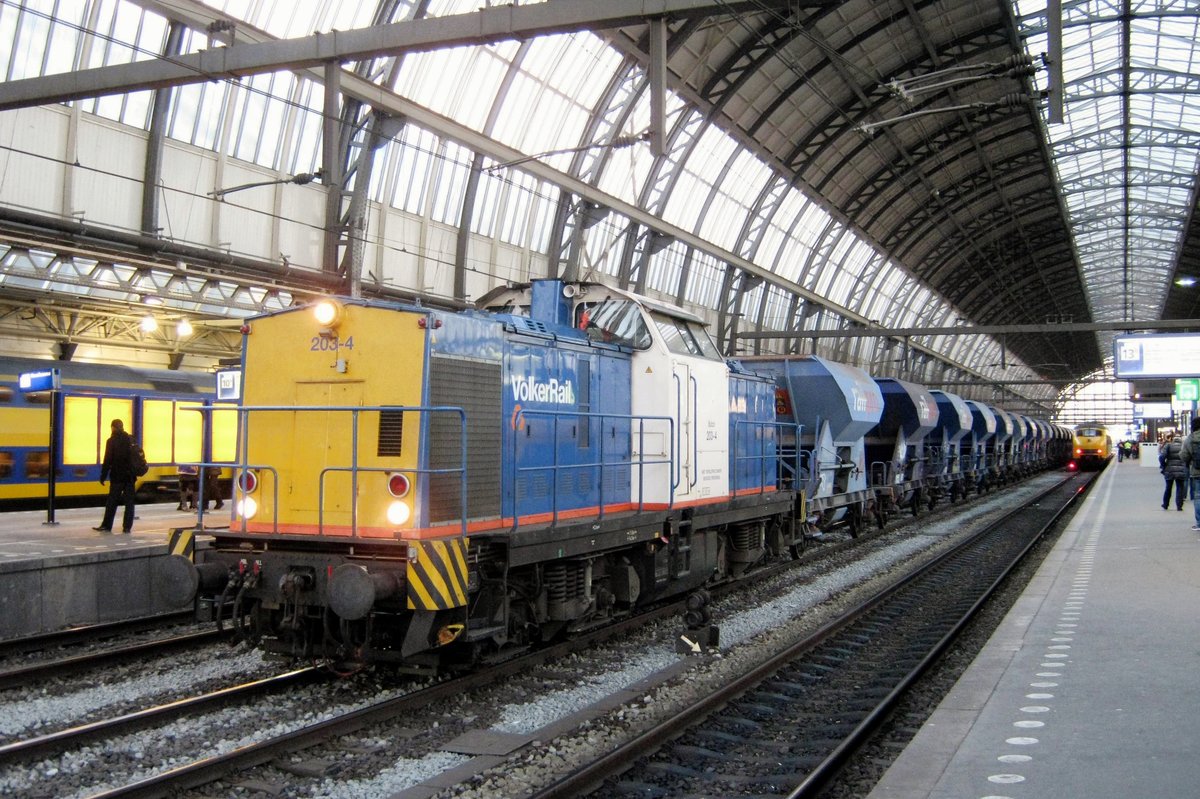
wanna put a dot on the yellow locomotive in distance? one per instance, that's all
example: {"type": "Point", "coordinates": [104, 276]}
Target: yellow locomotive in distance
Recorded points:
{"type": "Point", "coordinates": [1093, 446]}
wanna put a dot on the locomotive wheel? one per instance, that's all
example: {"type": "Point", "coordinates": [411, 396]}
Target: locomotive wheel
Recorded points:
{"type": "Point", "coordinates": [915, 502]}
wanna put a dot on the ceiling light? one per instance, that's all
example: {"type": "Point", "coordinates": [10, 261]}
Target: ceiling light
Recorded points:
{"type": "Point", "coordinates": [183, 329]}
{"type": "Point", "coordinates": [148, 324]}
{"type": "Point", "coordinates": [1185, 281]}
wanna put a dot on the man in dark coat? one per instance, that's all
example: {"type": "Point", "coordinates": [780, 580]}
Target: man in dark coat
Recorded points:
{"type": "Point", "coordinates": [118, 467]}
{"type": "Point", "coordinates": [1174, 471]}
{"type": "Point", "coordinates": [1190, 454]}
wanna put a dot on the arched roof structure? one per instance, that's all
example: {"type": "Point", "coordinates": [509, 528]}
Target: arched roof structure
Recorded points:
{"type": "Point", "coordinates": [875, 180]}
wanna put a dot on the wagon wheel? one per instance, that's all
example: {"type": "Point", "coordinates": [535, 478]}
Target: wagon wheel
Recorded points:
{"type": "Point", "coordinates": [879, 513]}
{"type": "Point", "coordinates": [931, 503]}
{"type": "Point", "coordinates": [855, 519]}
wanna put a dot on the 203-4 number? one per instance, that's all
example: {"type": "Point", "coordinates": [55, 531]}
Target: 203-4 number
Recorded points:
{"type": "Point", "coordinates": [330, 344]}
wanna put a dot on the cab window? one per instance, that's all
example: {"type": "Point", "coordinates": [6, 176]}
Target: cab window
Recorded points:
{"type": "Point", "coordinates": [685, 338]}
{"type": "Point", "coordinates": [615, 322]}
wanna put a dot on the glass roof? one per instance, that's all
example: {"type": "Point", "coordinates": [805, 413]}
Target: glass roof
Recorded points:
{"type": "Point", "coordinates": [1126, 152]}
{"type": "Point", "coordinates": [1126, 157]}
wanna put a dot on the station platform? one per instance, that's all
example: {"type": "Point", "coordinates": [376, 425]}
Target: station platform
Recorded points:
{"type": "Point", "coordinates": [67, 574]}
{"type": "Point", "coordinates": [1089, 687]}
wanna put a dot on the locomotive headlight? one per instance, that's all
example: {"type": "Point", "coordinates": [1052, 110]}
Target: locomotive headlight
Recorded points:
{"type": "Point", "coordinates": [247, 507]}
{"type": "Point", "coordinates": [398, 513]}
{"type": "Point", "coordinates": [327, 313]}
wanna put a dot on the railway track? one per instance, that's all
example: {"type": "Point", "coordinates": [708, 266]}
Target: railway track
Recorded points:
{"type": "Point", "coordinates": [786, 727]}
{"type": "Point", "coordinates": [233, 766]}
{"type": "Point", "coordinates": [53, 743]}
{"type": "Point", "coordinates": [28, 673]}
{"type": "Point", "coordinates": [88, 634]}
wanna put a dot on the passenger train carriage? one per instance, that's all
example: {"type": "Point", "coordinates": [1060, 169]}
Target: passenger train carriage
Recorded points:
{"type": "Point", "coordinates": [431, 487]}
{"type": "Point", "coordinates": [151, 402]}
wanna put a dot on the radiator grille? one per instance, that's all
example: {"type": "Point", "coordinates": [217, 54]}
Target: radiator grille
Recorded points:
{"type": "Point", "coordinates": [391, 433]}
{"type": "Point", "coordinates": [473, 386]}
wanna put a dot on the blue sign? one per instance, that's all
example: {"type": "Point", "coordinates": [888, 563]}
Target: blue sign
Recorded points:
{"type": "Point", "coordinates": [40, 381]}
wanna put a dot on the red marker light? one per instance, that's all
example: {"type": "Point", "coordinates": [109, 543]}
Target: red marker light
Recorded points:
{"type": "Point", "coordinates": [398, 485]}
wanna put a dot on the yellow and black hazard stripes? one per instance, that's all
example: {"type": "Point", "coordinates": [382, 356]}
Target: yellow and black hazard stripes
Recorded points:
{"type": "Point", "coordinates": [437, 574]}
{"type": "Point", "coordinates": [182, 541]}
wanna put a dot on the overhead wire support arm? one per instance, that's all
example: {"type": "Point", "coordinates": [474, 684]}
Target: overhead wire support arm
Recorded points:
{"type": "Point", "coordinates": [1015, 66]}
{"type": "Point", "coordinates": [301, 179]}
{"type": "Point", "coordinates": [1008, 101]}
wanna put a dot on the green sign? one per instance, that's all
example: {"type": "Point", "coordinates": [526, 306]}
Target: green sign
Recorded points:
{"type": "Point", "coordinates": [1187, 390]}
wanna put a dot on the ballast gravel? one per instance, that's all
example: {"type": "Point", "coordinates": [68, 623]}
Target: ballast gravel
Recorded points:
{"type": "Point", "coordinates": [753, 624]}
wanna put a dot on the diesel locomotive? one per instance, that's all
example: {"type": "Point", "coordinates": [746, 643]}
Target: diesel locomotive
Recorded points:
{"type": "Point", "coordinates": [429, 487]}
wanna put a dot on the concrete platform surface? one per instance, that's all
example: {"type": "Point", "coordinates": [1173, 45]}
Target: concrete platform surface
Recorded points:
{"type": "Point", "coordinates": [66, 574]}
{"type": "Point", "coordinates": [1091, 685]}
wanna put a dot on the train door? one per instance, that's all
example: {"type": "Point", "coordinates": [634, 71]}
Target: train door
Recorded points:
{"type": "Point", "coordinates": [684, 412]}
{"type": "Point", "coordinates": [323, 437]}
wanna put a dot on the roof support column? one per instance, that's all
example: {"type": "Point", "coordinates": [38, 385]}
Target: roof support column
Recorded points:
{"type": "Point", "coordinates": [331, 173]}
{"type": "Point", "coordinates": [658, 86]}
{"type": "Point", "coordinates": [152, 174]}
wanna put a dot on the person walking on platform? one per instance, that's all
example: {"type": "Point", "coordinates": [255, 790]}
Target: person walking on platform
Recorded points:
{"type": "Point", "coordinates": [1174, 471]}
{"type": "Point", "coordinates": [1190, 454]}
{"type": "Point", "coordinates": [117, 467]}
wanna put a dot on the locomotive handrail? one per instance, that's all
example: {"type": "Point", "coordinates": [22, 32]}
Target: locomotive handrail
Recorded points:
{"type": "Point", "coordinates": [695, 431]}
{"type": "Point", "coordinates": [677, 469]}
{"type": "Point", "coordinates": [639, 464]}
{"type": "Point", "coordinates": [780, 457]}
{"type": "Point", "coordinates": [244, 412]}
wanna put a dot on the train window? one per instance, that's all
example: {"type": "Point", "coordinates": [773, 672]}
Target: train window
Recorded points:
{"type": "Point", "coordinates": [37, 465]}
{"type": "Point", "coordinates": [615, 321]}
{"type": "Point", "coordinates": [6, 464]}
{"type": "Point", "coordinates": [6, 394]}
{"type": "Point", "coordinates": [707, 345]}
{"type": "Point", "coordinates": [686, 338]}
{"type": "Point", "coordinates": [391, 433]}
{"type": "Point", "coordinates": [678, 338]}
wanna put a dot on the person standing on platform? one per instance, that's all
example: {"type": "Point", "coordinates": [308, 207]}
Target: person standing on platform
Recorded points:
{"type": "Point", "coordinates": [1174, 471]}
{"type": "Point", "coordinates": [117, 467]}
{"type": "Point", "coordinates": [1191, 456]}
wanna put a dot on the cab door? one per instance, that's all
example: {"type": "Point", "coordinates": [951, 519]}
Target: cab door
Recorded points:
{"type": "Point", "coordinates": [684, 413]}
{"type": "Point", "coordinates": [325, 438]}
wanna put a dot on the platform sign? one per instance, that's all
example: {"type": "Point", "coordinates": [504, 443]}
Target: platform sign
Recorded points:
{"type": "Point", "coordinates": [229, 385]}
{"type": "Point", "coordinates": [1151, 410]}
{"type": "Point", "coordinates": [1157, 355]}
{"type": "Point", "coordinates": [1187, 390]}
{"type": "Point", "coordinates": [45, 380]}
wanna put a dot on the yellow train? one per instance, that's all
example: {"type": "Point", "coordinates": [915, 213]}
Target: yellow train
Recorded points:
{"type": "Point", "coordinates": [1093, 446]}
{"type": "Point", "coordinates": [158, 406]}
